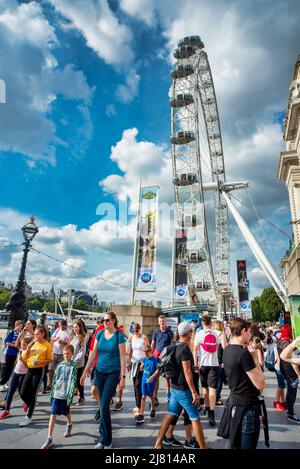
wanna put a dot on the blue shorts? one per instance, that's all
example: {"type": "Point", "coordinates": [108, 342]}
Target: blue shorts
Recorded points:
{"type": "Point", "coordinates": [148, 388]}
{"type": "Point", "coordinates": [280, 379]}
{"type": "Point", "coordinates": [60, 407]}
{"type": "Point", "coordinates": [182, 400]}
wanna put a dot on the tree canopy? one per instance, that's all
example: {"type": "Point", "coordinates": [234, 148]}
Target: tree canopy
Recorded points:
{"type": "Point", "coordinates": [267, 306]}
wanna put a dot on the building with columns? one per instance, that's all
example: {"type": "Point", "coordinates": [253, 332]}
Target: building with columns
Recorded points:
{"type": "Point", "coordinates": [289, 171]}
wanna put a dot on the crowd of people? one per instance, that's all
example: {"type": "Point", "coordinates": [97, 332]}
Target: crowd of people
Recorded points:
{"type": "Point", "coordinates": [210, 353]}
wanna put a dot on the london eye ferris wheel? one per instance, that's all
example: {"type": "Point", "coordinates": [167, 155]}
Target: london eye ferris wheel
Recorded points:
{"type": "Point", "coordinates": [199, 172]}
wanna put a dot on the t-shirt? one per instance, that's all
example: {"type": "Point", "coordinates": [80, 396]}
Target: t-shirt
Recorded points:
{"type": "Point", "coordinates": [39, 351]}
{"type": "Point", "coordinates": [162, 338]}
{"type": "Point", "coordinates": [183, 353]}
{"type": "Point", "coordinates": [20, 368]}
{"type": "Point", "coordinates": [150, 367]}
{"type": "Point", "coordinates": [99, 328]}
{"type": "Point", "coordinates": [62, 335]}
{"type": "Point", "coordinates": [11, 337]}
{"type": "Point", "coordinates": [206, 358]}
{"type": "Point", "coordinates": [108, 352]}
{"type": "Point", "coordinates": [237, 361]}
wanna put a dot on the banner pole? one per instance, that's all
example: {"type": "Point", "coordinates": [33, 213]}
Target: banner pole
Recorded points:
{"type": "Point", "coordinates": [135, 246]}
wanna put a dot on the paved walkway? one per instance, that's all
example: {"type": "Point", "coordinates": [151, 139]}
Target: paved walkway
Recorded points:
{"type": "Point", "coordinates": [126, 434]}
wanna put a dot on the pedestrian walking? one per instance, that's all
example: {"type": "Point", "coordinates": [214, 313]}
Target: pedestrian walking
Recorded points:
{"type": "Point", "coordinates": [58, 340]}
{"type": "Point", "coordinates": [149, 373]}
{"type": "Point", "coordinates": [240, 422]}
{"type": "Point", "coordinates": [38, 355]}
{"type": "Point", "coordinates": [110, 371]}
{"type": "Point", "coordinates": [16, 379]}
{"type": "Point", "coordinates": [62, 393]}
{"type": "Point", "coordinates": [206, 357]}
{"type": "Point", "coordinates": [161, 338]}
{"type": "Point", "coordinates": [10, 354]}
{"type": "Point", "coordinates": [77, 340]}
{"type": "Point", "coordinates": [136, 344]}
{"type": "Point", "coordinates": [183, 392]}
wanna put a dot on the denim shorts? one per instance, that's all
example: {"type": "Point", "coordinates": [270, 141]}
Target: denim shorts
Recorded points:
{"type": "Point", "coordinates": [280, 379]}
{"type": "Point", "coordinates": [182, 400]}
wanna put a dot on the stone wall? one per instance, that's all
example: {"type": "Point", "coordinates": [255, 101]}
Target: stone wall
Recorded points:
{"type": "Point", "coordinates": [146, 316]}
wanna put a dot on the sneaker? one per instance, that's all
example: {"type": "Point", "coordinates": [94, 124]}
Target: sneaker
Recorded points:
{"type": "Point", "coordinates": [2, 388]}
{"type": "Point", "coordinates": [25, 408]}
{"type": "Point", "coordinates": [2, 405]}
{"type": "Point", "coordinates": [99, 446]}
{"type": "Point", "coordinates": [191, 445]}
{"type": "Point", "coordinates": [48, 443]}
{"type": "Point", "coordinates": [171, 442]}
{"type": "Point", "coordinates": [293, 418]}
{"type": "Point", "coordinates": [107, 447]}
{"type": "Point", "coordinates": [211, 417]}
{"type": "Point", "coordinates": [168, 397]}
{"type": "Point", "coordinates": [140, 418]}
{"type": "Point", "coordinates": [97, 416]}
{"type": "Point", "coordinates": [152, 414]}
{"type": "Point", "coordinates": [80, 402]}
{"type": "Point", "coordinates": [6, 387]}
{"type": "Point", "coordinates": [5, 414]}
{"type": "Point", "coordinates": [275, 404]}
{"type": "Point", "coordinates": [27, 421]}
{"type": "Point", "coordinates": [44, 391]}
{"type": "Point", "coordinates": [68, 431]}
{"type": "Point", "coordinates": [118, 406]}
{"type": "Point", "coordinates": [280, 407]}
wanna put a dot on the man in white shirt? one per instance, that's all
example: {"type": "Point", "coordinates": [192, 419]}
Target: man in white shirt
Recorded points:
{"type": "Point", "coordinates": [59, 339]}
{"type": "Point", "coordinates": [206, 358]}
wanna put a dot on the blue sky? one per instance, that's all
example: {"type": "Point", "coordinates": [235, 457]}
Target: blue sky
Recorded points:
{"type": "Point", "coordinates": [81, 76]}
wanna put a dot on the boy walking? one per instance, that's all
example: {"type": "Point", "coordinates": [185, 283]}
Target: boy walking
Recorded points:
{"type": "Point", "coordinates": [150, 371]}
{"type": "Point", "coordinates": [62, 393]}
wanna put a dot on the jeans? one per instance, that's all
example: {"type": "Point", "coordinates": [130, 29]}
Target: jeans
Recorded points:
{"type": "Point", "coordinates": [30, 388]}
{"type": "Point", "coordinates": [248, 432]}
{"type": "Point", "coordinates": [106, 385]}
{"type": "Point", "coordinates": [221, 381]}
{"type": "Point", "coordinates": [15, 383]}
{"type": "Point", "coordinates": [8, 368]}
{"type": "Point", "coordinates": [290, 395]}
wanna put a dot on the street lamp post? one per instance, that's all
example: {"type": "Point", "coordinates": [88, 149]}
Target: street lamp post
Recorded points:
{"type": "Point", "coordinates": [17, 301]}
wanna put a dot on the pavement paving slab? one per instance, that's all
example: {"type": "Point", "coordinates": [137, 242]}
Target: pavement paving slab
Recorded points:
{"type": "Point", "coordinates": [126, 433]}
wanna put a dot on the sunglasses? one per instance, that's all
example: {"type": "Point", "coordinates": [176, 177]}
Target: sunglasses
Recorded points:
{"type": "Point", "coordinates": [106, 320]}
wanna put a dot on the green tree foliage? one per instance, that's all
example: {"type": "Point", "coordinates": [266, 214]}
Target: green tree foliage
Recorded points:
{"type": "Point", "coordinates": [4, 296]}
{"type": "Point", "coordinates": [36, 304]}
{"type": "Point", "coordinates": [267, 307]}
{"type": "Point", "coordinates": [82, 305]}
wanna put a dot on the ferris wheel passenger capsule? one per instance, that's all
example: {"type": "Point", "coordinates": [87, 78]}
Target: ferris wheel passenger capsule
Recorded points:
{"type": "Point", "coordinates": [182, 137]}
{"type": "Point", "coordinates": [185, 179]}
{"type": "Point", "coordinates": [181, 100]}
{"type": "Point", "coordinates": [182, 71]}
{"type": "Point", "coordinates": [184, 52]}
{"type": "Point", "coordinates": [191, 41]}
{"type": "Point", "coordinates": [196, 257]}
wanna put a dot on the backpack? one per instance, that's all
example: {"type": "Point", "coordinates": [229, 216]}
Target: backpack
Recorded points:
{"type": "Point", "coordinates": [210, 342]}
{"type": "Point", "coordinates": [167, 365]}
{"type": "Point", "coordinates": [270, 360]}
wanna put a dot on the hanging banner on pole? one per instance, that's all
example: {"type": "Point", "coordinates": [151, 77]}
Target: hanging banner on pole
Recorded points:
{"type": "Point", "coordinates": [243, 288]}
{"type": "Point", "coordinates": [180, 271]}
{"type": "Point", "coordinates": [147, 235]}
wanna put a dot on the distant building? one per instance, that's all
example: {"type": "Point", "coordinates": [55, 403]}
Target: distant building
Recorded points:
{"type": "Point", "coordinates": [289, 171]}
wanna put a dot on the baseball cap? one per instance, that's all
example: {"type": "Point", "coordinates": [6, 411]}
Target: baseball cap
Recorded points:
{"type": "Point", "coordinates": [286, 333]}
{"type": "Point", "coordinates": [184, 328]}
